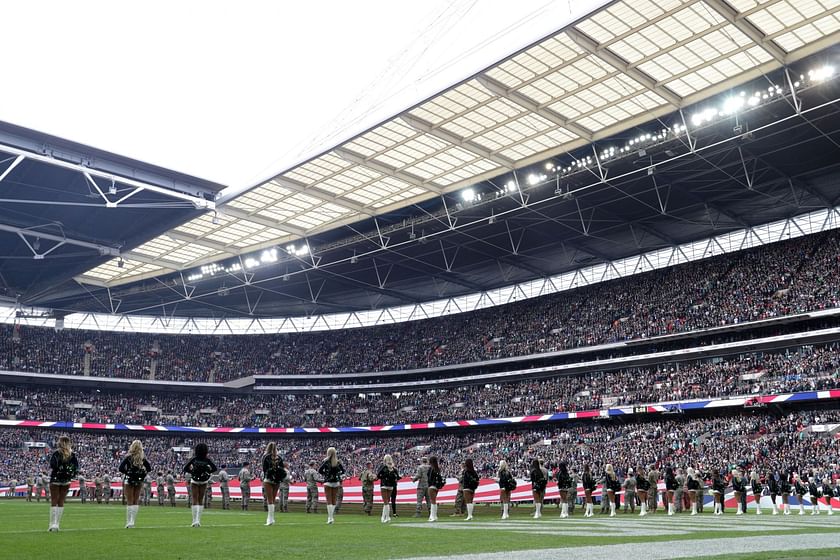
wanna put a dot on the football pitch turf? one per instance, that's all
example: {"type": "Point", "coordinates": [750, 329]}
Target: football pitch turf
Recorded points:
{"type": "Point", "coordinates": [92, 532]}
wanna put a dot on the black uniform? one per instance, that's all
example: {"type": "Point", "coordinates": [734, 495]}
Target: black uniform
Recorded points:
{"type": "Point", "coordinates": [588, 482]}
{"type": "Point", "coordinates": [757, 488]}
{"type": "Point", "coordinates": [506, 481]}
{"type": "Point", "coordinates": [775, 487]}
{"type": "Point", "coordinates": [814, 490]}
{"type": "Point", "coordinates": [388, 477]}
{"type": "Point", "coordinates": [134, 475]}
{"type": "Point", "coordinates": [538, 480]}
{"type": "Point", "coordinates": [471, 480]}
{"type": "Point", "coordinates": [564, 480]}
{"type": "Point", "coordinates": [436, 479]}
{"type": "Point", "coordinates": [331, 474]}
{"type": "Point", "coordinates": [738, 484]}
{"type": "Point", "coordinates": [200, 469]}
{"type": "Point", "coordinates": [801, 487]}
{"type": "Point", "coordinates": [63, 471]}
{"type": "Point", "coordinates": [718, 485]}
{"type": "Point", "coordinates": [273, 469]}
{"type": "Point", "coordinates": [642, 483]}
{"type": "Point", "coordinates": [670, 482]}
{"type": "Point", "coordinates": [692, 483]}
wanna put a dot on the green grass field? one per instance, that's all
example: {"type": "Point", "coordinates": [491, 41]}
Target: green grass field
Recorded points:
{"type": "Point", "coordinates": [96, 532]}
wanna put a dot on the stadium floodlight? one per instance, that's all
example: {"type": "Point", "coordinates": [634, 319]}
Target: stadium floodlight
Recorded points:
{"type": "Point", "coordinates": [510, 186]}
{"type": "Point", "coordinates": [821, 74]}
{"type": "Point", "coordinates": [268, 256]}
{"type": "Point", "coordinates": [732, 105]}
{"type": "Point", "coordinates": [251, 262]}
{"type": "Point", "coordinates": [533, 179]}
{"type": "Point", "coordinates": [549, 166]}
{"type": "Point", "coordinates": [468, 195]}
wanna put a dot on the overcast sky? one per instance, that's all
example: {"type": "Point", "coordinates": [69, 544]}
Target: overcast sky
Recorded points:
{"type": "Point", "coordinates": [236, 92]}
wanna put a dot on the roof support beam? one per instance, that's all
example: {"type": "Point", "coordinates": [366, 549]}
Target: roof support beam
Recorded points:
{"type": "Point", "coordinates": [179, 236]}
{"type": "Point", "coordinates": [593, 47]}
{"type": "Point", "coordinates": [102, 249]}
{"type": "Point", "coordinates": [498, 88]}
{"type": "Point", "coordinates": [12, 165]}
{"type": "Point", "coordinates": [422, 126]}
{"type": "Point", "coordinates": [385, 169]}
{"type": "Point", "coordinates": [302, 188]}
{"type": "Point", "coordinates": [747, 28]}
{"type": "Point", "coordinates": [257, 219]}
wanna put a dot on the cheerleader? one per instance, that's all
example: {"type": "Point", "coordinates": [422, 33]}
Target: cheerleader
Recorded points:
{"type": "Point", "coordinates": [757, 490]}
{"type": "Point", "coordinates": [739, 489]}
{"type": "Point", "coordinates": [588, 483]}
{"type": "Point", "coordinates": [507, 484]}
{"type": "Point", "coordinates": [539, 480]}
{"type": "Point", "coordinates": [564, 482]}
{"type": "Point", "coordinates": [785, 489]}
{"type": "Point", "coordinates": [436, 482]}
{"type": "Point", "coordinates": [388, 477]}
{"type": "Point", "coordinates": [693, 486]}
{"type": "Point", "coordinates": [471, 480]}
{"type": "Point", "coordinates": [814, 494]}
{"type": "Point", "coordinates": [63, 467]}
{"type": "Point", "coordinates": [719, 491]}
{"type": "Point", "coordinates": [800, 486]}
{"type": "Point", "coordinates": [610, 487]}
{"type": "Point", "coordinates": [200, 467]}
{"type": "Point", "coordinates": [642, 488]}
{"type": "Point", "coordinates": [827, 492]}
{"type": "Point", "coordinates": [774, 486]}
{"type": "Point", "coordinates": [274, 471]}
{"type": "Point", "coordinates": [670, 488]}
{"type": "Point", "coordinates": [332, 472]}
{"type": "Point", "coordinates": [134, 468]}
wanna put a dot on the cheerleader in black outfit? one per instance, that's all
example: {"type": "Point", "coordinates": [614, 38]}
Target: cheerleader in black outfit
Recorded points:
{"type": "Point", "coordinates": [611, 486]}
{"type": "Point", "coordinates": [200, 467]}
{"type": "Point", "coordinates": [693, 485]}
{"type": "Point", "coordinates": [757, 490]}
{"type": "Point", "coordinates": [815, 494]}
{"type": "Point", "coordinates": [436, 482]}
{"type": "Point", "coordinates": [333, 472]}
{"type": "Point", "coordinates": [134, 468]}
{"type": "Point", "coordinates": [274, 471]}
{"type": "Point", "coordinates": [827, 492]}
{"type": "Point", "coordinates": [774, 486]}
{"type": "Point", "coordinates": [588, 483]}
{"type": "Point", "coordinates": [388, 477]}
{"type": "Point", "coordinates": [507, 484]}
{"type": "Point", "coordinates": [670, 488]}
{"type": "Point", "coordinates": [642, 489]}
{"type": "Point", "coordinates": [785, 489]}
{"type": "Point", "coordinates": [738, 488]}
{"type": "Point", "coordinates": [564, 482]}
{"type": "Point", "coordinates": [471, 480]}
{"type": "Point", "coordinates": [801, 488]}
{"type": "Point", "coordinates": [719, 491]}
{"type": "Point", "coordinates": [63, 468]}
{"type": "Point", "coordinates": [538, 483]}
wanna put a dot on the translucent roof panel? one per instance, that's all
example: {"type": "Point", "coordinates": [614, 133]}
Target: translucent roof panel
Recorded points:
{"type": "Point", "coordinates": [628, 62]}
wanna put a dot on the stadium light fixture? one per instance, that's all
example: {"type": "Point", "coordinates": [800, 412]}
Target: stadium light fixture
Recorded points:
{"type": "Point", "coordinates": [468, 195]}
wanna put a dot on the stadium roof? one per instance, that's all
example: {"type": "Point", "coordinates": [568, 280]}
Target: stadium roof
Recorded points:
{"type": "Point", "coordinates": [632, 65]}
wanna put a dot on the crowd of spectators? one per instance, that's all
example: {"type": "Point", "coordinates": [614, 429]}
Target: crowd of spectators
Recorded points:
{"type": "Point", "coordinates": [803, 368]}
{"type": "Point", "coordinates": [764, 440]}
{"type": "Point", "coordinates": [792, 276]}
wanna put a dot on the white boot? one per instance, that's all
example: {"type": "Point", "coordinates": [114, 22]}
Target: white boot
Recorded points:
{"type": "Point", "coordinates": [739, 512]}
{"type": "Point", "coordinates": [830, 510]}
{"type": "Point", "coordinates": [470, 508]}
{"type": "Point", "coordinates": [537, 511]}
{"type": "Point", "coordinates": [757, 507]}
{"type": "Point", "coordinates": [786, 508]}
{"type": "Point", "coordinates": [59, 511]}
{"type": "Point", "coordinates": [643, 511]}
{"type": "Point", "coordinates": [269, 520]}
{"type": "Point", "coordinates": [53, 517]}
{"type": "Point", "coordinates": [330, 511]}
{"type": "Point", "coordinates": [693, 508]}
{"type": "Point", "coordinates": [612, 509]}
{"type": "Point", "coordinates": [199, 511]}
{"type": "Point", "coordinates": [718, 509]}
{"type": "Point", "coordinates": [386, 513]}
{"type": "Point", "coordinates": [670, 509]}
{"type": "Point", "coordinates": [801, 509]}
{"type": "Point", "coordinates": [564, 510]}
{"type": "Point", "coordinates": [432, 513]}
{"type": "Point", "coordinates": [815, 509]}
{"type": "Point", "coordinates": [130, 514]}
